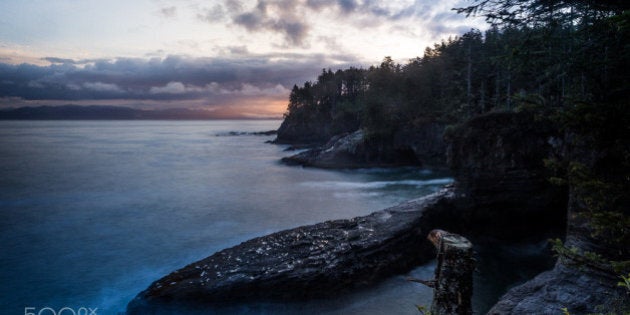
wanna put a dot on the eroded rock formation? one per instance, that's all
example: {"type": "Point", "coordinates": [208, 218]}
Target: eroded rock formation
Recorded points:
{"type": "Point", "coordinates": [418, 145]}
{"type": "Point", "coordinates": [305, 262]}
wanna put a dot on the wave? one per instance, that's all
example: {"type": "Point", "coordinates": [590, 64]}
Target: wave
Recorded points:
{"type": "Point", "coordinates": [356, 194]}
{"type": "Point", "coordinates": [390, 170]}
{"type": "Point", "coordinates": [246, 133]}
{"type": "Point", "coordinates": [338, 185]}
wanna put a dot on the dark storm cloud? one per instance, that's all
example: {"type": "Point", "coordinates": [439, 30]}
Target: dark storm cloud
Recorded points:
{"type": "Point", "coordinates": [287, 22]}
{"type": "Point", "coordinates": [446, 23]}
{"type": "Point", "coordinates": [251, 21]}
{"type": "Point", "coordinates": [347, 5]}
{"type": "Point", "coordinates": [215, 80]}
{"type": "Point", "coordinates": [286, 17]}
{"type": "Point", "coordinates": [367, 8]}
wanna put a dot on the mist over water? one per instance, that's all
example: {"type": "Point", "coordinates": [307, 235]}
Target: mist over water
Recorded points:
{"type": "Point", "coordinates": [92, 212]}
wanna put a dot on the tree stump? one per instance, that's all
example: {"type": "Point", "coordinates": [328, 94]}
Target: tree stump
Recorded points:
{"type": "Point", "coordinates": [453, 284]}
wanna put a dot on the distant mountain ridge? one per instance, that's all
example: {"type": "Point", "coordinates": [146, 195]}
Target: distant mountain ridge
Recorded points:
{"type": "Point", "coordinates": [76, 112]}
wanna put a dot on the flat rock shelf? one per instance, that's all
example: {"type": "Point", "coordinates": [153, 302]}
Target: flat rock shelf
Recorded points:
{"type": "Point", "coordinates": [306, 262]}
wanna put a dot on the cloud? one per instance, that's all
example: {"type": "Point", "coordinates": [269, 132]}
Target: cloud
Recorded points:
{"type": "Point", "coordinates": [168, 12]}
{"type": "Point", "coordinates": [212, 15]}
{"type": "Point", "coordinates": [251, 90]}
{"type": "Point", "coordinates": [282, 17]}
{"type": "Point", "coordinates": [214, 82]}
{"type": "Point", "coordinates": [169, 88]}
{"type": "Point", "coordinates": [295, 20]}
{"type": "Point", "coordinates": [347, 5]}
{"type": "Point", "coordinates": [102, 87]}
{"type": "Point", "coordinates": [58, 60]}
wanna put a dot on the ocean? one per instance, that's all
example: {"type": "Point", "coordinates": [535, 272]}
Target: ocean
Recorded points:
{"type": "Point", "coordinates": [92, 212]}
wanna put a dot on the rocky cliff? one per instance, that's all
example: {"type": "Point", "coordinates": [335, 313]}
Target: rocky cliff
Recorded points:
{"type": "Point", "coordinates": [354, 151]}
{"type": "Point", "coordinates": [595, 253]}
{"type": "Point", "coordinates": [418, 145]}
{"type": "Point", "coordinates": [497, 161]}
{"type": "Point", "coordinates": [315, 130]}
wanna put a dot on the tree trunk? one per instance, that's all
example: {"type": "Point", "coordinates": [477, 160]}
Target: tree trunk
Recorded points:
{"type": "Point", "coordinates": [453, 275]}
{"type": "Point", "coordinates": [469, 79]}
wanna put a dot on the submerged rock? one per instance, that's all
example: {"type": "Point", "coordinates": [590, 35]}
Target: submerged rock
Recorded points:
{"type": "Point", "coordinates": [306, 262]}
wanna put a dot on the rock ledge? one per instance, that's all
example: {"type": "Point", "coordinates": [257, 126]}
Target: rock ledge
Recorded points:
{"type": "Point", "coordinates": [306, 262]}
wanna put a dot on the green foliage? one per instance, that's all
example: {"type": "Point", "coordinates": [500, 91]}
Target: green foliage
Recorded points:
{"type": "Point", "coordinates": [621, 266]}
{"type": "Point", "coordinates": [603, 202]}
{"type": "Point", "coordinates": [336, 99]}
{"type": "Point", "coordinates": [558, 171]}
{"type": "Point", "coordinates": [423, 310]}
{"type": "Point", "coordinates": [557, 246]}
{"type": "Point", "coordinates": [625, 283]}
{"type": "Point", "coordinates": [455, 79]}
{"type": "Point", "coordinates": [583, 258]}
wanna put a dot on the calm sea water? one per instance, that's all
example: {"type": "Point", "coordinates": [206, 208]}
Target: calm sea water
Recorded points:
{"type": "Point", "coordinates": [91, 212]}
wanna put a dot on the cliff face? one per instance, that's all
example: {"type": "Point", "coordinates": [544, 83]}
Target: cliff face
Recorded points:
{"type": "Point", "coordinates": [504, 190]}
{"type": "Point", "coordinates": [412, 145]}
{"type": "Point", "coordinates": [313, 130]}
{"type": "Point", "coordinates": [497, 161]}
{"type": "Point", "coordinates": [353, 151]}
{"type": "Point", "coordinates": [584, 279]}
{"type": "Point", "coordinates": [425, 140]}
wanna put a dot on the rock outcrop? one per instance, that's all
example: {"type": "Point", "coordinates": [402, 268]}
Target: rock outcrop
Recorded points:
{"type": "Point", "coordinates": [579, 290]}
{"type": "Point", "coordinates": [419, 145]}
{"type": "Point", "coordinates": [353, 151]}
{"type": "Point", "coordinates": [425, 140]}
{"type": "Point", "coordinates": [497, 162]}
{"type": "Point", "coordinates": [595, 253]}
{"type": "Point", "coordinates": [305, 262]}
{"type": "Point", "coordinates": [313, 130]}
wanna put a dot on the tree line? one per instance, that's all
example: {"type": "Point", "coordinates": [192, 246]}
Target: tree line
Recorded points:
{"type": "Point", "coordinates": [537, 53]}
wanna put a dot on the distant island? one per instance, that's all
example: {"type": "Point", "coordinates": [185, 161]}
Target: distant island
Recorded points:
{"type": "Point", "coordinates": [76, 112]}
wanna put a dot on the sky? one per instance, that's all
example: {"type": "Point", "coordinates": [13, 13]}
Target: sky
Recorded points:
{"type": "Point", "coordinates": [235, 58]}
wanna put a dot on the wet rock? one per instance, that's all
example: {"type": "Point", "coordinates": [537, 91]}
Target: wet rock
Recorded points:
{"type": "Point", "coordinates": [345, 151]}
{"type": "Point", "coordinates": [567, 287]}
{"type": "Point", "coordinates": [247, 133]}
{"type": "Point", "coordinates": [306, 262]}
{"type": "Point", "coordinates": [421, 145]}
